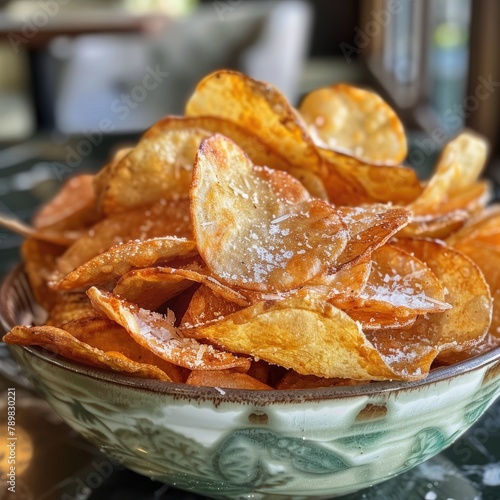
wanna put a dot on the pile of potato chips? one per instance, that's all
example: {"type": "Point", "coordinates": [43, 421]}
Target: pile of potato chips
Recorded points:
{"type": "Point", "coordinates": [252, 245]}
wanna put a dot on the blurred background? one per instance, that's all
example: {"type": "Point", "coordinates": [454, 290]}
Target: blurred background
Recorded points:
{"type": "Point", "coordinates": [79, 79]}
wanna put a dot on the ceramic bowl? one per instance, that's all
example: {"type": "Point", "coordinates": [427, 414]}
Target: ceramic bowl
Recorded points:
{"type": "Point", "coordinates": [257, 444]}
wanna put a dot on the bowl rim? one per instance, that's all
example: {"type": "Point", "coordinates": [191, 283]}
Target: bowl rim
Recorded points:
{"type": "Point", "coordinates": [217, 394]}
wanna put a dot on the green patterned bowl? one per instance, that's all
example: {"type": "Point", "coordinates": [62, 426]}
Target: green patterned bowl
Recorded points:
{"type": "Point", "coordinates": [249, 444]}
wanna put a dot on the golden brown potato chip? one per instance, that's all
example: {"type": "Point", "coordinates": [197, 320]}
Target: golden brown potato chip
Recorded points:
{"type": "Point", "coordinates": [262, 371]}
{"type": "Point", "coordinates": [311, 182]}
{"type": "Point", "coordinates": [156, 285]}
{"type": "Point", "coordinates": [103, 177]}
{"type": "Point", "coordinates": [461, 162]}
{"type": "Point", "coordinates": [342, 287]}
{"type": "Point", "coordinates": [73, 202]}
{"type": "Point", "coordinates": [226, 380]}
{"type": "Point", "coordinates": [261, 110]}
{"type": "Point", "coordinates": [157, 168]}
{"type": "Point", "coordinates": [217, 287]}
{"type": "Point", "coordinates": [400, 348]}
{"type": "Point", "coordinates": [39, 259]}
{"type": "Point", "coordinates": [61, 342]}
{"type": "Point", "coordinates": [483, 247]}
{"type": "Point", "coordinates": [487, 223]}
{"type": "Point", "coordinates": [206, 307]}
{"type": "Point", "coordinates": [369, 228]}
{"type": "Point", "coordinates": [106, 335]}
{"type": "Point", "coordinates": [69, 307]}
{"type": "Point", "coordinates": [472, 199]}
{"type": "Point", "coordinates": [312, 337]}
{"type": "Point", "coordinates": [450, 215]}
{"type": "Point", "coordinates": [164, 218]}
{"type": "Point", "coordinates": [283, 237]}
{"type": "Point", "coordinates": [349, 181]}
{"type": "Point", "coordinates": [355, 121]}
{"type": "Point", "coordinates": [373, 319]}
{"type": "Point", "coordinates": [434, 226]}
{"type": "Point", "coordinates": [467, 322]}
{"type": "Point", "coordinates": [259, 152]}
{"type": "Point", "coordinates": [294, 380]}
{"type": "Point", "coordinates": [399, 286]}
{"type": "Point", "coordinates": [120, 259]}
{"type": "Point", "coordinates": [60, 238]}
{"type": "Point", "coordinates": [158, 334]}
{"type": "Point", "coordinates": [151, 287]}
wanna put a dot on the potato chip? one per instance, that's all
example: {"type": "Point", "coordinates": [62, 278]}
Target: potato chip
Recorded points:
{"type": "Point", "coordinates": [158, 334]}
{"type": "Point", "coordinates": [467, 322]}
{"type": "Point", "coordinates": [483, 247]}
{"type": "Point", "coordinates": [355, 121]}
{"type": "Point", "coordinates": [451, 214]}
{"type": "Point", "coordinates": [471, 199]}
{"type": "Point", "coordinates": [39, 259]}
{"type": "Point", "coordinates": [217, 287]}
{"type": "Point", "coordinates": [151, 287]}
{"type": "Point", "coordinates": [261, 110]}
{"type": "Point", "coordinates": [103, 177]}
{"type": "Point", "coordinates": [69, 307]}
{"type": "Point", "coordinates": [369, 227]}
{"type": "Point", "coordinates": [157, 284]}
{"type": "Point", "coordinates": [487, 223]}
{"type": "Point", "coordinates": [259, 152]}
{"type": "Point", "coordinates": [311, 182]}
{"type": "Point", "coordinates": [373, 319]}
{"type": "Point", "coordinates": [63, 343]}
{"type": "Point", "coordinates": [74, 202]}
{"type": "Point", "coordinates": [207, 307]}
{"type": "Point", "coordinates": [349, 181]}
{"type": "Point", "coordinates": [311, 337]}
{"type": "Point", "coordinates": [262, 371]}
{"type": "Point", "coordinates": [461, 162]}
{"type": "Point", "coordinates": [157, 168]}
{"type": "Point", "coordinates": [284, 238]}
{"type": "Point", "coordinates": [164, 218]}
{"type": "Point", "coordinates": [15, 225]}
{"type": "Point", "coordinates": [400, 286]}
{"type": "Point", "coordinates": [434, 226]}
{"type": "Point", "coordinates": [225, 380]}
{"type": "Point", "coordinates": [106, 335]}
{"type": "Point", "coordinates": [409, 351]}
{"type": "Point", "coordinates": [294, 380]}
{"type": "Point", "coordinates": [120, 259]}
{"type": "Point", "coordinates": [341, 288]}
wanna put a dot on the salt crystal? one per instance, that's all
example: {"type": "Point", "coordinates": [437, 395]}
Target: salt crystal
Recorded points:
{"type": "Point", "coordinates": [281, 219]}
